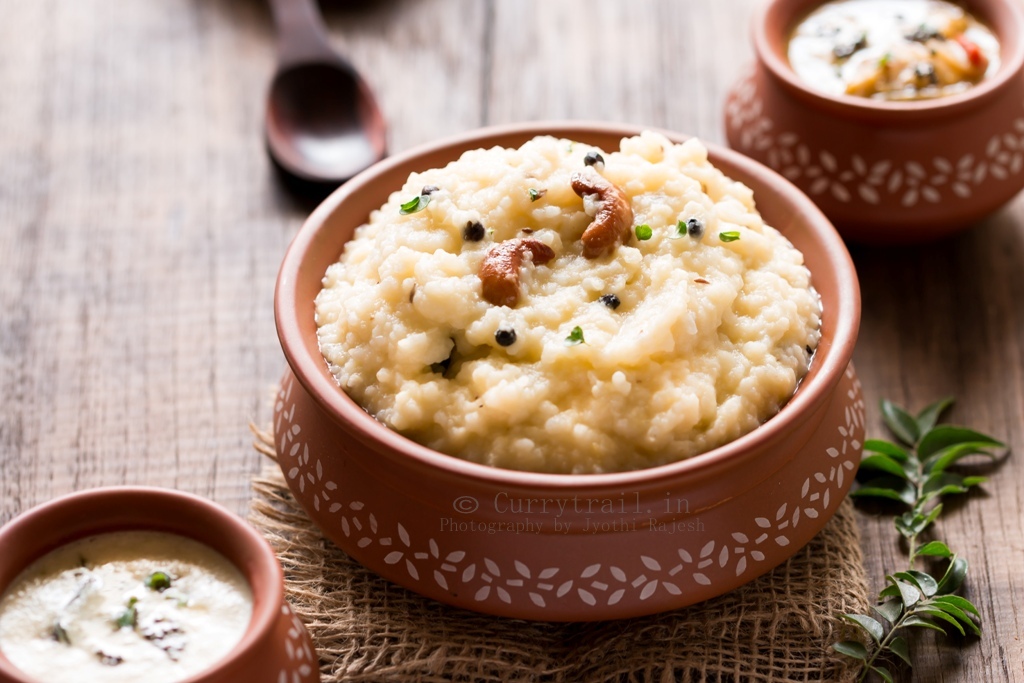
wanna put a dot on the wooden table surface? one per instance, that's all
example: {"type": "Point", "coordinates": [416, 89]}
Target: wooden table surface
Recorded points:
{"type": "Point", "coordinates": [141, 228]}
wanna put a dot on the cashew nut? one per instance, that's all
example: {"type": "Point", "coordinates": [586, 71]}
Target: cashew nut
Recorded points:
{"type": "Point", "coordinates": [499, 271]}
{"type": "Point", "coordinates": [614, 216]}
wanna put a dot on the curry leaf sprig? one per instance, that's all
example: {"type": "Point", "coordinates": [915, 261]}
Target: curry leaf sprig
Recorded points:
{"type": "Point", "coordinates": [915, 472]}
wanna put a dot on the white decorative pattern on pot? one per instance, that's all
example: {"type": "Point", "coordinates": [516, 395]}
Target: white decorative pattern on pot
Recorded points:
{"type": "Point", "coordinates": [886, 172]}
{"type": "Point", "coordinates": [466, 571]}
{"type": "Point", "coordinates": [871, 176]}
{"type": "Point", "coordinates": [302, 662]}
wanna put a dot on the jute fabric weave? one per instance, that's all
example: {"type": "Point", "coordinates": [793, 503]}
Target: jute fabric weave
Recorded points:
{"type": "Point", "coordinates": [776, 629]}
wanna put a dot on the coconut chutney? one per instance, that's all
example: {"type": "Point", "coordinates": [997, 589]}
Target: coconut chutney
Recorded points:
{"type": "Point", "coordinates": [892, 49]}
{"type": "Point", "coordinates": [125, 606]}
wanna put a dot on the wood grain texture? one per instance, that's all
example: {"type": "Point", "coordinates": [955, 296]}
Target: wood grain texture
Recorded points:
{"type": "Point", "coordinates": [141, 227]}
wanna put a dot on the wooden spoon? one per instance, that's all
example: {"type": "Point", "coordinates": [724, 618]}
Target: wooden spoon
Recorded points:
{"type": "Point", "coordinates": [323, 124]}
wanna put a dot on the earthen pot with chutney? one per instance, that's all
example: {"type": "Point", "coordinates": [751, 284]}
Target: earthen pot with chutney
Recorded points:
{"type": "Point", "coordinates": [893, 156]}
{"type": "Point", "coordinates": [83, 565]}
{"type": "Point", "coordinates": [566, 547]}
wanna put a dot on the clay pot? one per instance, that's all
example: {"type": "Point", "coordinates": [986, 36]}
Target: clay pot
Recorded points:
{"type": "Point", "coordinates": [566, 547]}
{"type": "Point", "coordinates": [276, 648]}
{"type": "Point", "coordinates": [885, 172]}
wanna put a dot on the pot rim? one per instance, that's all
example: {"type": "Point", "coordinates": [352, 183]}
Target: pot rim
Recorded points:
{"type": "Point", "coordinates": [261, 569]}
{"type": "Point", "coordinates": [771, 14]}
{"type": "Point", "coordinates": [311, 371]}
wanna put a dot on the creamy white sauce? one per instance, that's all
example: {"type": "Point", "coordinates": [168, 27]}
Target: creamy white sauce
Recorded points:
{"type": "Point", "coordinates": [84, 613]}
{"type": "Point", "coordinates": [892, 49]}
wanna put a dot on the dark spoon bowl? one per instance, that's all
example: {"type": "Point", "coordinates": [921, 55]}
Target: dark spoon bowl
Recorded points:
{"type": "Point", "coordinates": [323, 124]}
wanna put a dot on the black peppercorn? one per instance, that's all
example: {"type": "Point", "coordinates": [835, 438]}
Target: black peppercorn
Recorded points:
{"type": "Point", "coordinates": [593, 158]}
{"type": "Point", "coordinates": [610, 300]}
{"type": "Point", "coordinates": [429, 190]}
{"type": "Point", "coordinates": [695, 228]}
{"type": "Point", "coordinates": [505, 337]}
{"type": "Point", "coordinates": [473, 232]}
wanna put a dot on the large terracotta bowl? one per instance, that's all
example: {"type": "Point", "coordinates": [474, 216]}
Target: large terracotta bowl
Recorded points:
{"type": "Point", "coordinates": [566, 547]}
{"type": "Point", "coordinates": [276, 648]}
{"type": "Point", "coordinates": [886, 172]}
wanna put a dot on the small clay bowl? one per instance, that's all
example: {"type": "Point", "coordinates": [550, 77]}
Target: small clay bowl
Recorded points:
{"type": "Point", "coordinates": [886, 173]}
{"type": "Point", "coordinates": [566, 547]}
{"type": "Point", "coordinates": [276, 647]}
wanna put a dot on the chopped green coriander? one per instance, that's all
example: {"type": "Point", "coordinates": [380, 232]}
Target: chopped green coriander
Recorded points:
{"type": "Point", "coordinates": [644, 232]}
{"type": "Point", "coordinates": [536, 194]}
{"type": "Point", "coordinates": [158, 581]}
{"type": "Point", "coordinates": [729, 235]}
{"type": "Point", "coordinates": [417, 203]}
{"type": "Point", "coordinates": [129, 617]}
{"type": "Point", "coordinates": [680, 230]}
{"type": "Point", "coordinates": [885, 59]}
{"type": "Point", "coordinates": [575, 337]}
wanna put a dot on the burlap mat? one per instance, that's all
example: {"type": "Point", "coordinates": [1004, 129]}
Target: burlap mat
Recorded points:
{"type": "Point", "coordinates": [777, 628]}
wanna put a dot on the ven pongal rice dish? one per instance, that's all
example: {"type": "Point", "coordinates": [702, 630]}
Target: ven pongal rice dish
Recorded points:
{"type": "Point", "coordinates": [561, 308]}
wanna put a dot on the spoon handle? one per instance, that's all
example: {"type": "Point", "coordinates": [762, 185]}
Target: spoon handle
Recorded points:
{"type": "Point", "coordinates": [301, 34]}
